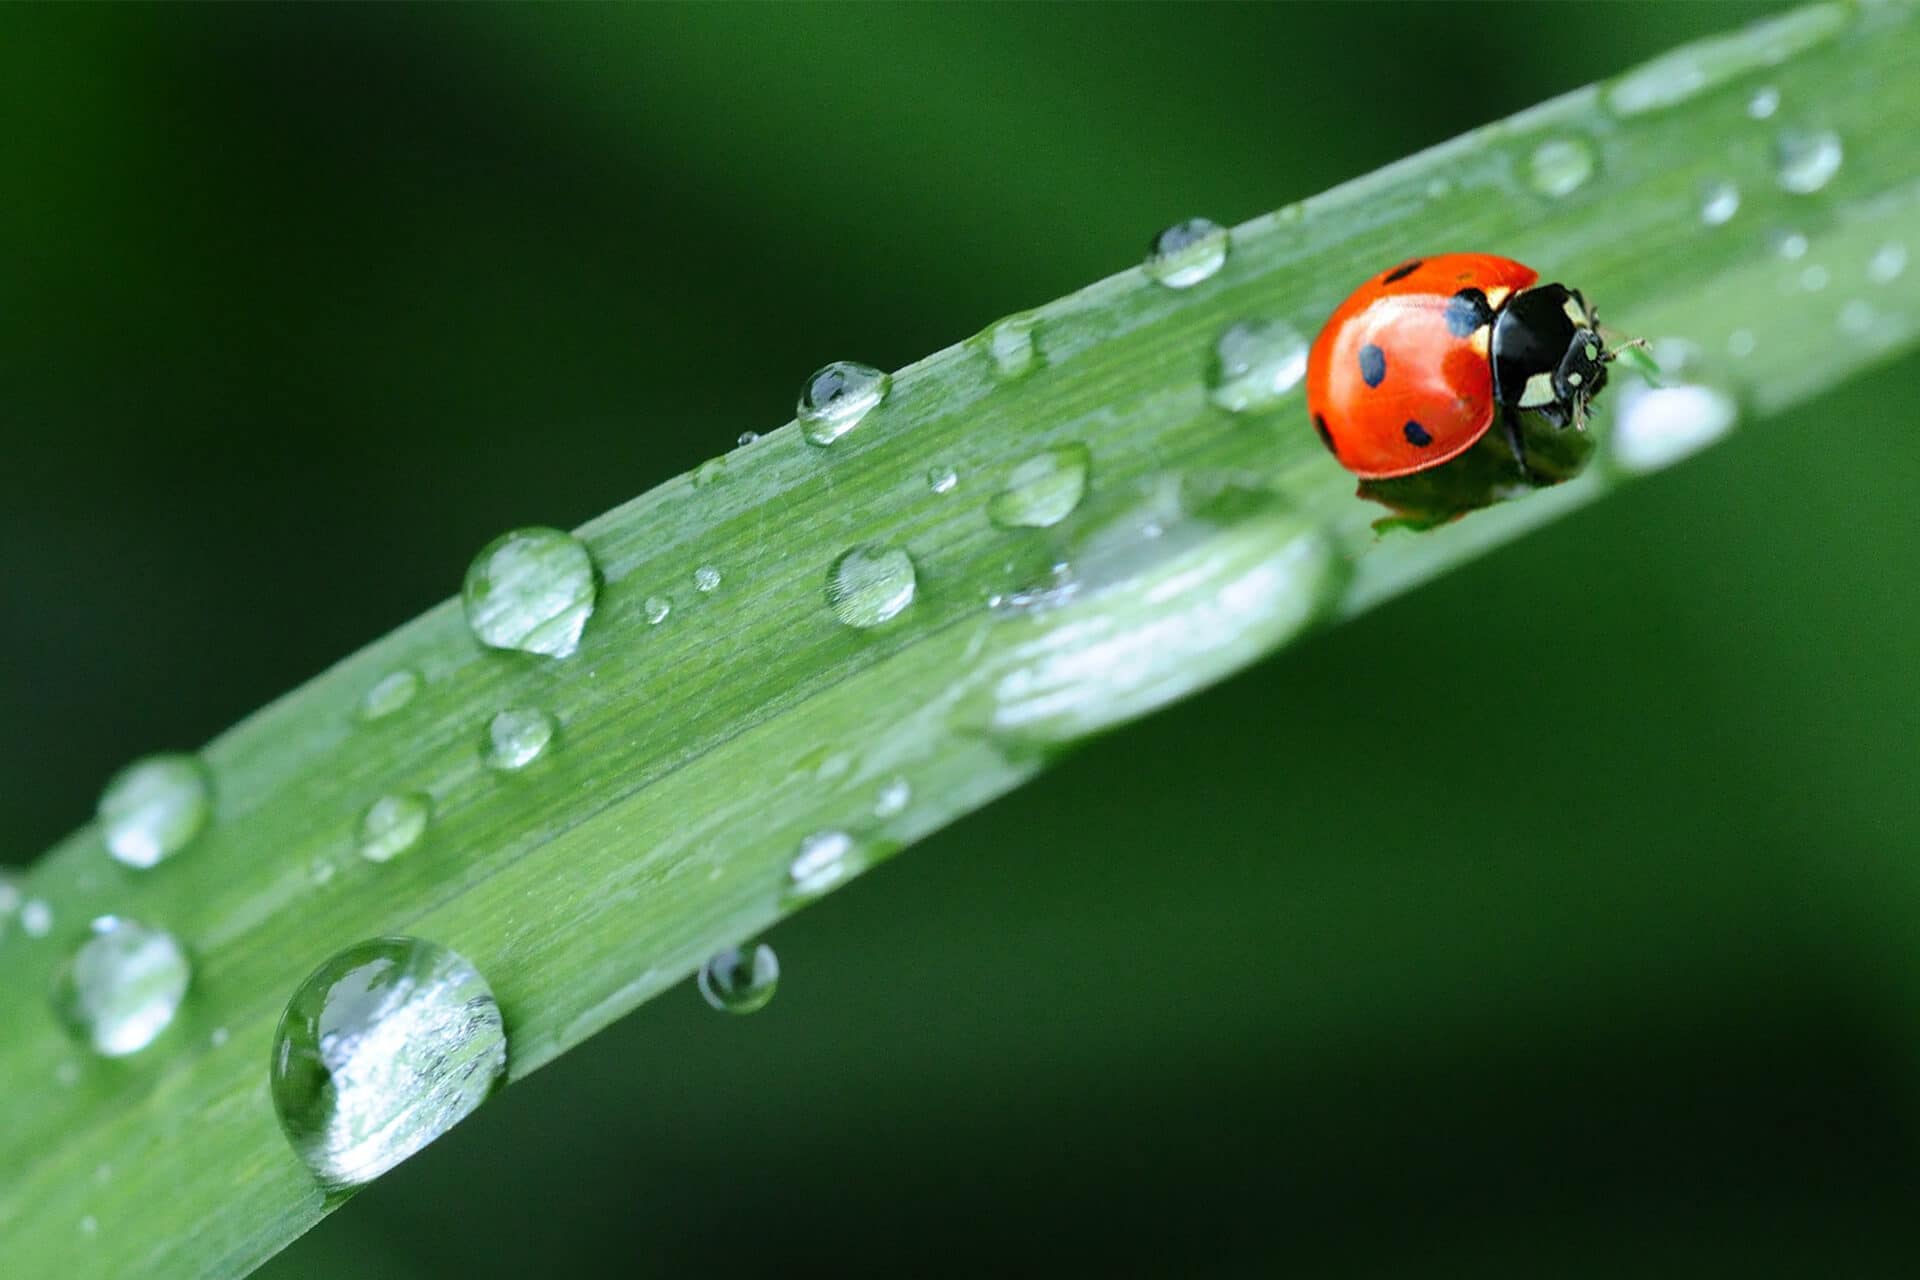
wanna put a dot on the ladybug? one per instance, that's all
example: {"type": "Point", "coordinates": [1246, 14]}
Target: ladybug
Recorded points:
{"type": "Point", "coordinates": [1413, 367]}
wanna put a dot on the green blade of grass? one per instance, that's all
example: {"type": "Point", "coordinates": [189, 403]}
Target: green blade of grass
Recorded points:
{"type": "Point", "coordinates": [696, 753]}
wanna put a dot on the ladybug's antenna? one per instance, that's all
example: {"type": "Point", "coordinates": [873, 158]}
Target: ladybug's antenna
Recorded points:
{"type": "Point", "coordinates": [1614, 351]}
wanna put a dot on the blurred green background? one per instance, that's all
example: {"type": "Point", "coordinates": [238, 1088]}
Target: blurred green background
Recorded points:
{"type": "Point", "coordinates": [1592, 954]}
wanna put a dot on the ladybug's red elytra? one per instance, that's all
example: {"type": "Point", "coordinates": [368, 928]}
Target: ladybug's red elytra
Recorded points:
{"type": "Point", "coordinates": [1413, 367]}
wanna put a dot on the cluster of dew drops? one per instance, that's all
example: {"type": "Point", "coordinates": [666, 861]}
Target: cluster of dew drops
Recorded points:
{"type": "Point", "coordinates": [421, 1043]}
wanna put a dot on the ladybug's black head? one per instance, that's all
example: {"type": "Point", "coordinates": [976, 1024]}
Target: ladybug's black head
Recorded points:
{"type": "Point", "coordinates": [1548, 354]}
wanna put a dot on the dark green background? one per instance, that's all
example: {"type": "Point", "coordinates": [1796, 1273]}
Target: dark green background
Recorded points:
{"type": "Point", "coordinates": [1558, 919]}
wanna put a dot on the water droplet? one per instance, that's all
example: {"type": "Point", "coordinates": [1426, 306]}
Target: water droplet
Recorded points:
{"type": "Point", "coordinates": [1888, 261]}
{"type": "Point", "coordinates": [219, 1037]}
{"type": "Point", "coordinates": [383, 1048]}
{"type": "Point", "coordinates": [1719, 201]}
{"type": "Point", "coordinates": [942, 479]}
{"type": "Point", "coordinates": [1804, 162]}
{"type": "Point", "coordinates": [89, 1225]}
{"type": "Point", "coordinates": [1740, 343]}
{"type": "Point", "coordinates": [531, 590]}
{"type": "Point", "coordinates": [1043, 490]}
{"type": "Point", "coordinates": [1858, 318]}
{"type": "Point", "coordinates": [740, 979]}
{"type": "Point", "coordinates": [893, 799]}
{"type": "Point", "coordinates": [710, 472]}
{"type": "Point", "coordinates": [1560, 166]}
{"type": "Point", "coordinates": [122, 986]}
{"type": "Point", "coordinates": [1657, 426]}
{"type": "Point", "coordinates": [321, 872]}
{"type": "Point", "coordinates": [36, 918]}
{"type": "Point", "coordinates": [1814, 278]}
{"type": "Point", "coordinates": [1201, 578]}
{"type": "Point", "coordinates": [1186, 253]}
{"type": "Point", "coordinates": [1763, 103]}
{"type": "Point", "coordinates": [1438, 188]}
{"type": "Point", "coordinates": [1255, 364]}
{"type": "Point", "coordinates": [154, 808]}
{"type": "Point", "coordinates": [67, 1074]}
{"type": "Point", "coordinates": [837, 397]}
{"type": "Point", "coordinates": [706, 578]}
{"type": "Point", "coordinates": [1790, 245]}
{"type": "Point", "coordinates": [516, 737]}
{"type": "Point", "coordinates": [823, 860]}
{"type": "Point", "coordinates": [1675, 77]}
{"type": "Point", "coordinates": [1012, 348]}
{"type": "Point", "coordinates": [393, 824]}
{"type": "Point", "coordinates": [871, 584]}
{"type": "Point", "coordinates": [389, 693]}
{"type": "Point", "coordinates": [747, 438]}
{"type": "Point", "coordinates": [657, 609]}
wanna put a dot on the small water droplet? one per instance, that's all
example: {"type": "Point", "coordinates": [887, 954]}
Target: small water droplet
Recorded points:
{"type": "Point", "coordinates": [942, 479]}
{"type": "Point", "coordinates": [823, 860]}
{"type": "Point", "coordinates": [740, 979]}
{"type": "Point", "coordinates": [321, 872]}
{"type": "Point", "coordinates": [1186, 253]}
{"type": "Point", "coordinates": [1657, 426]}
{"type": "Point", "coordinates": [1043, 490]}
{"type": "Point", "coordinates": [122, 986]}
{"type": "Point", "coordinates": [154, 808]}
{"type": "Point", "coordinates": [1790, 245]}
{"type": "Point", "coordinates": [710, 472]}
{"type": "Point", "coordinates": [1675, 77]}
{"type": "Point", "coordinates": [1438, 188]}
{"type": "Point", "coordinates": [36, 918]}
{"type": "Point", "coordinates": [393, 824]}
{"type": "Point", "coordinates": [1763, 103]}
{"type": "Point", "coordinates": [67, 1074]}
{"type": "Point", "coordinates": [1740, 343]}
{"type": "Point", "coordinates": [1012, 347]}
{"type": "Point", "coordinates": [516, 738]}
{"type": "Point", "coordinates": [870, 584]}
{"type": "Point", "coordinates": [706, 578]}
{"type": "Point", "coordinates": [531, 590]}
{"type": "Point", "coordinates": [748, 437]}
{"type": "Point", "coordinates": [219, 1037]}
{"type": "Point", "coordinates": [1560, 166]}
{"type": "Point", "coordinates": [1255, 364]}
{"type": "Point", "coordinates": [389, 693]}
{"type": "Point", "coordinates": [1804, 162]}
{"type": "Point", "coordinates": [102, 1174]}
{"type": "Point", "coordinates": [837, 398]}
{"type": "Point", "coordinates": [1814, 278]}
{"type": "Point", "coordinates": [89, 1225]}
{"type": "Point", "coordinates": [893, 798]}
{"type": "Point", "coordinates": [657, 608]}
{"type": "Point", "coordinates": [382, 1049]}
{"type": "Point", "coordinates": [1888, 261]}
{"type": "Point", "coordinates": [1719, 201]}
{"type": "Point", "coordinates": [1859, 318]}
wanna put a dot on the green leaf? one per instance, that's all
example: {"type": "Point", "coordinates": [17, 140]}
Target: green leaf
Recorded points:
{"type": "Point", "coordinates": [699, 748]}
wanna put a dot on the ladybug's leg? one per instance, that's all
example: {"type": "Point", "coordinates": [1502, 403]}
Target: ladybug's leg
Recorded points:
{"type": "Point", "coordinates": [1510, 423]}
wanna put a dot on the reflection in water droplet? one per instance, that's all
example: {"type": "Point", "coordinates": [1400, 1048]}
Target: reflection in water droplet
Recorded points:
{"type": "Point", "coordinates": [1255, 364]}
{"type": "Point", "coordinates": [1043, 490]}
{"type": "Point", "coordinates": [942, 479]}
{"type": "Point", "coordinates": [1806, 162]}
{"type": "Point", "coordinates": [893, 798]}
{"type": "Point", "coordinates": [1186, 253]}
{"type": "Point", "coordinates": [1012, 348]}
{"type": "Point", "coordinates": [837, 397]}
{"type": "Point", "coordinates": [383, 1048]}
{"type": "Point", "coordinates": [657, 608]}
{"type": "Point", "coordinates": [1740, 343]}
{"type": "Point", "coordinates": [706, 578]}
{"type": "Point", "coordinates": [531, 590]}
{"type": "Point", "coordinates": [516, 738]}
{"type": "Point", "coordinates": [1814, 278]}
{"type": "Point", "coordinates": [389, 693]}
{"type": "Point", "coordinates": [1560, 166]}
{"type": "Point", "coordinates": [1763, 103]}
{"type": "Point", "coordinates": [122, 986]}
{"type": "Point", "coordinates": [154, 808]}
{"type": "Point", "coordinates": [740, 979]}
{"type": "Point", "coordinates": [870, 584]}
{"type": "Point", "coordinates": [1888, 261]}
{"type": "Point", "coordinates": [392, 825]}
{"type": "Point", "coordinates": [1719, 202]}
{"type": "Point", "coordinates": [824, 859]}
{"type": "Point", "coordinates": [1657, 426]}
{"type": "Point", "coordinates": [36, 918]}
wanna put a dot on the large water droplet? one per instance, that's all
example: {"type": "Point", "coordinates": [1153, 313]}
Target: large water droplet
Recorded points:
{"type": "Point", "coordinates": [740, 979]}
{"type": "Point", "coordinates": [393, 824]}
{"type": "Point", "coordinates": [1560, 166]}
{"type": "Point", "coordinates": [837, 397]}
{"type": "Point", "coordinates": [389, 693]}
{"type": "Point", "coordinates": [1888, 261]}
{"type": "Point", "coordinates": [122, 986]}
{"type": "Point", "coordinates": [1719, 201]}
{"type": "Point", "coordinates": [383, 1048]}
{"type": "Point", "coordinates": [1657, 426]}
{"type": "Point", "coordinates": [870, 584]}
{"type": "Point", "coordinates": [823, 860]}
{"type": "Point", "coordinates": [1255, 364]}
{"type": "Point", "coordinates": [154, 808]}
{"type": "Point", "coordinates": [1043, 490]}
{"type": "Point", "coordinates": [1186, 253]}
{"type": "Point", "coordinates": [706, 578]}
{"type": "Point", "coordinates": [1804, 162]}
{"type": "Point", "coordinates": [531, 590]}
{"type": "Point", "coordinates": [657, 608]}
{"type": "Point", "coordinates": [1012, 347]}
{"type": "Point", "coordinates": [516, 737]}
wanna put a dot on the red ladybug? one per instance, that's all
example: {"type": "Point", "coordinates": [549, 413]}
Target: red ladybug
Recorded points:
{"type": "Point", "coordinates": [1413, 367]}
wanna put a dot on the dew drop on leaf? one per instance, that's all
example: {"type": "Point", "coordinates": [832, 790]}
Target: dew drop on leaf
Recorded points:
{"type": "Point", "coordinates": [531, 590]}
{"type": "Point", "coordinates": [122, 986]}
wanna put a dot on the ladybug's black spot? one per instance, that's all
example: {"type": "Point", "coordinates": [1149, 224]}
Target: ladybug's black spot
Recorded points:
{"type": "Point", "coordinates": [1402, 271]}
{"type": "Point", "coordinates": [1326, 436]}
{"type": "Point", "coordinates": [1417, 434]}
{"type": "Point", "coordinates": [1467, 310]}
{"type": "Point", "coordinates": [1373, 365]}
